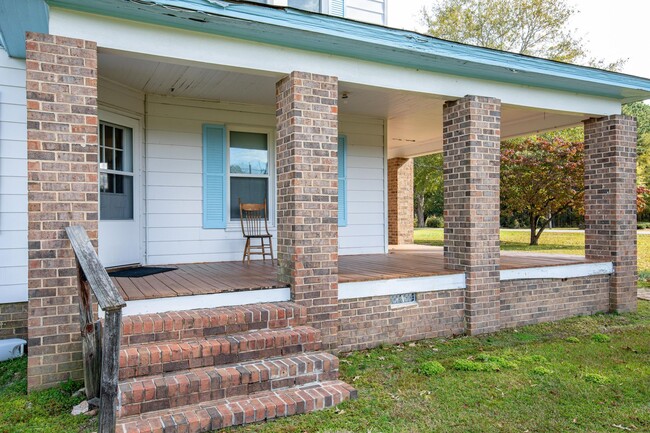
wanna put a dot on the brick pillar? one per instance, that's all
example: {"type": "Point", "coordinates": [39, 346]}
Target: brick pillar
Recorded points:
{"type": "Point", "coordinates": [610, 203]}
{"type": "Point", "coordinates": [471, 134]}
{"type": "Point", "coordinates": [62, 179]}
{"type": "Point", "coordinates": [307, 144]}
{"type": "Point", "coordinates": [400, 201]}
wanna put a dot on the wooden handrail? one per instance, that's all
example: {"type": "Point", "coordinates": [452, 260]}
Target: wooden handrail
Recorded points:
{"type": "Point", "coordinates": [107, 295]}
{"type": "Point", "coordinates": [101, 348]}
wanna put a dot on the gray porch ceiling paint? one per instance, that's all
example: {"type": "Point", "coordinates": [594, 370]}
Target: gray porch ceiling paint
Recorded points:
{"type": "Point", "coordinates": [414, 124]}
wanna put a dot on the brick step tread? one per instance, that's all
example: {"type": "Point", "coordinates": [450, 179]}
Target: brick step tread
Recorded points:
{"type": "Point", "coordinates": [219, 414]}
{"type": "Point", "coordinates": [163, 357]}
{"type": "Point", "coordinates": [151, 393]}
{"type": "Point", "coordinates": [179, 325]}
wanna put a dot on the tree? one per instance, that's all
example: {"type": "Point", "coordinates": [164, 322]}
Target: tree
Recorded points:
{"type": "Point", "coordinates": [531, 27]}
{"type": "Point", "coordinates": [541, 178]}
{"type": "Point", "coordinates": [428, 186]}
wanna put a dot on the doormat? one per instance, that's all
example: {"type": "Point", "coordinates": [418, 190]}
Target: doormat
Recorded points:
{"type": "Point", "coordinates": [141, 271]}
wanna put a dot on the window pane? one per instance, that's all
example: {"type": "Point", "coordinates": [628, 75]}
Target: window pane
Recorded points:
{"type": "Point", "coordinates": [116, 201]}
{"type": "Point", "coordinates": [308, 5]}
{"type": "Point", "coordinates": [248, 190]}
{"type": "Point", "coordinates": [249, 153]}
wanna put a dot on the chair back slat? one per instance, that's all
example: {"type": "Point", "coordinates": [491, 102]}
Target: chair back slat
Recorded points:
{"type": "Point", "coordinates": [253, 219]}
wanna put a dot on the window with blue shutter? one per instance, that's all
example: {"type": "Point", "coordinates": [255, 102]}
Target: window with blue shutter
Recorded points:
{"type": "Point", "coordinates": [214, 177]}
{"type": "Point", "coordinates": [343, 182]}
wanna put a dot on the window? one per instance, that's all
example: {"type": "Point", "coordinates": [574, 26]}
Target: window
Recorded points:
{"type": "Point", "coordinates": [115, 172]}
{"type": "Point", "coordinates": [249, 169]}
{"type": "Point", "coordinates": [307, 5]}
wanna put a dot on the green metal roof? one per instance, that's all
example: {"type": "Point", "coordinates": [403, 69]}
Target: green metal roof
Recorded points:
{"type": "Point", "coordinates": [342, 37]}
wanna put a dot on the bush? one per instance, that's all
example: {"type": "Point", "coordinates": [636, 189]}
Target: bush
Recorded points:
{"type": "Point", "coordinates": [643, 225]}
{"type": "Point", "coordinates": [435, 222]}
{"type": "Point", "coordinates": [431, 368]}
{"type": "Point", "coordinates": [601, 338]}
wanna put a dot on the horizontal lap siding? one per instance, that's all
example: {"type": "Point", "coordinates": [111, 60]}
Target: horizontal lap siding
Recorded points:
{"type": "Point", "coordinates": [175, 231]}
{"type": "Point", "coordinates": [13, 180]}
{"type": "Point", "coordinates": [365, 231]}
{"type": "Point", "coordinates": [371, 11]}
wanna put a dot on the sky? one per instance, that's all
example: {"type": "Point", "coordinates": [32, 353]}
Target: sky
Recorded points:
{"type": "Point", "coordinates": [611, 29]}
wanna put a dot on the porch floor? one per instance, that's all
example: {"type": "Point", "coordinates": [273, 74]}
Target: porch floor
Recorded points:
{"type": "Point", "coordinates": [401, 262]}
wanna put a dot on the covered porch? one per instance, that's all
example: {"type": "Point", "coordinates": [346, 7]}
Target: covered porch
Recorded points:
{"type": "Point", "coordinates": [403, 261]}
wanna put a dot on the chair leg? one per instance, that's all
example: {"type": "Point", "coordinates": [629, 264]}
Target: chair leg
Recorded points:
{"type": "Point", "coordinates": [246, 250]}
{"type": "Point", "coordinates": [263, 249]}
{"type": "Point", "coordinates": [271, 249]}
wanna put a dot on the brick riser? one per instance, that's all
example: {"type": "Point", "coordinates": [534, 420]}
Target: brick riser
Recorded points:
{"type": "Point", "coordinates": [203, 370]}
{"type": "Point", "coordinates": [202, 323]}
{"type": "Point", "coordinates": [157, 358]}
{"type": "Point", "coordinates": [215, 415]}
{"type": "Point", "coordinates": [194, 386]}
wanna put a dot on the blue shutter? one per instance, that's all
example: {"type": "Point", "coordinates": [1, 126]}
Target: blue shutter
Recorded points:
{"type": "Point", "coordinates": [337, 8]}
{"type": "Point", "coordinates": [343, 182]}
{"type": "Point", "coordinates": [214, 177]}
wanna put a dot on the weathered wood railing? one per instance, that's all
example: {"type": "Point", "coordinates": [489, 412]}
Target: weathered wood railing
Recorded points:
{"type": "Point", "coordinates": [101, 348]}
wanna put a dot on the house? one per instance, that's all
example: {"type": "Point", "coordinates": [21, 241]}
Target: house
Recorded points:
{"type": "Point", "coordinates": [146, 121]}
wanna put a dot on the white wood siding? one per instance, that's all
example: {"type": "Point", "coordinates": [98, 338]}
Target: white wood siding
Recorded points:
{"type": "Point", "coordinates": [174, 230]}
{"type": "Point", "coordinates": [370, 11]}
{"type": "Point", "coordinates": [13, 180]}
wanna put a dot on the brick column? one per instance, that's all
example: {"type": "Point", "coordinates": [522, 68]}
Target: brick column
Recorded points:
{"type": "Point", "coordinates": [307, 143]}
{"type": "Point", "coordinates": [610, 203]}
{"type": "Point", "coordinates": [471, 134]}
{"type": "Point", "coordinates": [400, 201]}
{"type": "Point", "coordinates": [62, 179]}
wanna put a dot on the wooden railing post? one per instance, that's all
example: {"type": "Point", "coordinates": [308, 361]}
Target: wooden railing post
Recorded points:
{"type": "Point", "coordinates": [92, 277]}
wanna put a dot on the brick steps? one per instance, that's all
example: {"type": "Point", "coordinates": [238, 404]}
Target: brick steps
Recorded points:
{"type": "Point", "coordinates": [164, 357]}
{"type": "Point", "coordinates": [151, 393]}
{"type": "Point", "coordinates": [214, 415]}
{"type": "Point", "coordinates": [202, 323]}
{"type": "Point", "coordinates": [203, 370]}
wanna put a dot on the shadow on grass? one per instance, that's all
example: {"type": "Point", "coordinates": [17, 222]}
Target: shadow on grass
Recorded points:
{"type": "Point", "coordinates": [512, 246]}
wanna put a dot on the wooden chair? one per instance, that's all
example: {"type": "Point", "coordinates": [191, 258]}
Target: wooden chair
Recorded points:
{"type": "Point", "coordinates": [254, 225]}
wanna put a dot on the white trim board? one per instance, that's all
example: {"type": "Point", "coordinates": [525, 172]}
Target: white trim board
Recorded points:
{"type": "Point", "coordinates": [13, 294]}
{"type": "Point", "coordinates": [181, 303]}
{"type": "Point", "coordinates": [397, 286]}
{"type": "Point", "coordinates": [558, 272]}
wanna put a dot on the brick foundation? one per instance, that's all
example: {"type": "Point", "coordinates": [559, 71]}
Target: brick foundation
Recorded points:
{"type": "Point", "coordinates": [400, 201]}
{"type": "Point", "coordinates": [369, 322]}
{"type": "Point", "coordinates": [307, 170]}
{"type": "Point", "coordinates": [471, 134]}
{"type": "Point", "coordinates": [62, 190]}
{"type": "Point", "coordinates": [13, 320]}
{"type": "Point", "coordinates": [524, 302]}
{"type": "Point", "coordinates": [610, 203]}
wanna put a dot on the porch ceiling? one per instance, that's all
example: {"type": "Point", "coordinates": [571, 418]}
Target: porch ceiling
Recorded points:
{"type": "Point", "coordinates": [414, 120]}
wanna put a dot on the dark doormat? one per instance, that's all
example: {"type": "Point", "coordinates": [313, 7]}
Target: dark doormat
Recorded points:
{"type": "Point", "coordinates": [141, 271]}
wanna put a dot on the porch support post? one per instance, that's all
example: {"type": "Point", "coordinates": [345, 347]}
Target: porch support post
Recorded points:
{"type": "Point", "coordinates": [62, 178]}
{"type": "Point", "coordinates": [400, 201]}
{"type": "Point", "coordinates": [471, 134]}
{"type": "Point", "coordinates": [307, 170]}
{"type": "Point", "coordinates": [610, 203]}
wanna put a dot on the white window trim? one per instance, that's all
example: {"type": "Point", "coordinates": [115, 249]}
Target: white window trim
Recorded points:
{"type": "Point", "coordinates": [235, 225]}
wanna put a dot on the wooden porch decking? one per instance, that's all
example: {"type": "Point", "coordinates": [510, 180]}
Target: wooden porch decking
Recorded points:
{"type": "Point", "coordinates": [221, 277]}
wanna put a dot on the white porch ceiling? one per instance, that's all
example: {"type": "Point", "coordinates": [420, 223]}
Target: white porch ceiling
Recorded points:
{"type": "Point", "coordinates": [414, 120]}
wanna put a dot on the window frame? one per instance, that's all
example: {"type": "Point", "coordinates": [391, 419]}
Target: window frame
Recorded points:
{"type": "Point", "coordinates": [234, 224]}
{"type": "Point", "coordinates": [101, 136]}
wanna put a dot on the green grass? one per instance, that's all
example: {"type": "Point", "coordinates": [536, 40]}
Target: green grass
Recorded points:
{"type": "Point", "coordinates": [557, 378]}
{"type": "Point", "coordinates": [580, 374]}
{"type": "Point", "coordinates": [45, 411]}
{"type": "Point", "coordinates": [549, 242]}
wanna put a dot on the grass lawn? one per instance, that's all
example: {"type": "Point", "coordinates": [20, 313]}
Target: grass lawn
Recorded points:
{"type": "Point", "coordinates": [586, 374]}
{"type": "Point", "coordinates": [549, 242]}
